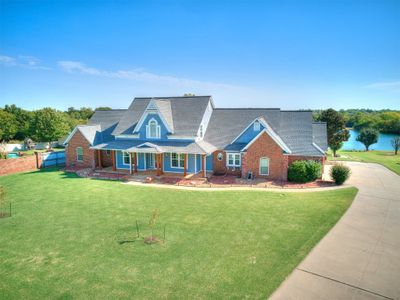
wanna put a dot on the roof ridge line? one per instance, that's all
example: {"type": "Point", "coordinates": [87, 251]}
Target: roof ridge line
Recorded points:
{"type": "Point", "coordinates": [246, 108]}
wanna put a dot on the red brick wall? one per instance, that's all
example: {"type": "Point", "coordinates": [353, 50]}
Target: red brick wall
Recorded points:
{"type": "Point", "coordinates": [322, 160]}
{"type": "Point", "coordinates": [106, 159]}
{"type": "Point", "coordinates": [89, 157]}
{"type": "Point", "coordinates": [15, 165]}
{"type": "Point", "coordinates": [293, 158]}
{"type": "Point", "coordinates": [220, 165]}
{"type": "Point", "coordinates": [265, 146]}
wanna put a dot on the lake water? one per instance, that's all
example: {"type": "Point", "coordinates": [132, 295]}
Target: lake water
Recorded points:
{"type": "Point", "coordinates": [382, 144]}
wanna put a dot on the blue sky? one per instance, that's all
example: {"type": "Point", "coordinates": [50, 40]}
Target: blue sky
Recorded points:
{"type": "Point", "coordinates": [288, 54]}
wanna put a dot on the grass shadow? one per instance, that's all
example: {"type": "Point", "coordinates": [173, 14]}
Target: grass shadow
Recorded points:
{"type": "Point", "coordinates": [126, 241]}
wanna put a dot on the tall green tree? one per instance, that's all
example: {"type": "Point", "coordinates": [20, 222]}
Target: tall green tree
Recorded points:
{"type": "Point", "coordinates": [49, 125]}
{"type": "Point", "coordinates": [23, 118]}
{"type": "Point", "coordinates": [8, 125]}
{"type": "Point", "coordinates": [395, 144]}
{"type": "Point", "coordinates": [336, 128]}
{"type": "Point", "coordinates": [84, 113]}
{"type": "Point", "coordinates": [368, 136]}
{"type": "Point", "coordinates": [103, 108]}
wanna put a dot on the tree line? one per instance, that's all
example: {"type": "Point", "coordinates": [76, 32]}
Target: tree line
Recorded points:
{"type": "Point", "coordinates": [337, 128]}
{"type": "Point", "coordinates": [42, 125]}
{"type": "Point", "coordinates": [387, 121]}
{"type": "Point", "coordinates": [48, 124]}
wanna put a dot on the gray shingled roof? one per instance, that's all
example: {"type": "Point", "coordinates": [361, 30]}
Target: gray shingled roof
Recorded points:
{"type": "Point", "coordinates": [163, 146]}
{"type": "Point", "coordinates": [164, 107]}
{"type": "Point", "coordinates": [184, 115]}
{"type": "Point", "coordinates": [187, 113]}
{"type": "Point", "coordinates": [294, 128]}
{"type": "Point", "coordinates": [320, 135]}
{"type": "Point", "coordinates": [108, 120]}
{"type": "Point", "coordinates": [91, 132]}
{"type": "Point", "coordinates": [227, 123]}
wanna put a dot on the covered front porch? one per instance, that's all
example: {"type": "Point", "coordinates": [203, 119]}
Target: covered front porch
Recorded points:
{"type": "Point", "coordinates": [151, 159]}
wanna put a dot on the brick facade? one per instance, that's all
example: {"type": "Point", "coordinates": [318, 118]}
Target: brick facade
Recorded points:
{"type": "Point", "coordinates": [220, 167]}
{"type": "Point", "coordinates": [265, 146]}
{"type": "Point", "coordinates": [89, 155]}
{"type": "Point", "coordinates": [15, 165]}
{"type": "Point", "coordinates": [106, 159]}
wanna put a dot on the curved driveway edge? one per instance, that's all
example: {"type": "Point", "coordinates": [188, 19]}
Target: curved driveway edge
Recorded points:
{"type": "Point", "coordinates": [360, 257]}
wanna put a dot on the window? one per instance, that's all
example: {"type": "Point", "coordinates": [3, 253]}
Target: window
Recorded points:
{"type": "Point", "coordinates": [233, 160]}
{"type": "Point", "coordinates": [264, 166]}
{"type": "Point", "coordinates": [256, 126]}
{"type": "Point", "coordinates": [126, 158]}
{"type": "Point", "coordinates": [153, 129]}
{"type": "Point", "coordinates": [108, 152]}
{"type": "Point", "coordinates": [201, 131]}
{"type": "Point", "coordinates": [220, 156]}
{"type": "Point", "coordinates": [79, 154]}
{"type": "Point", "coordinates": [177, 160]}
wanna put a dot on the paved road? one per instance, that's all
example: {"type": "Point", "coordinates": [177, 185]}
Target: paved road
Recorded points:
{"type": "Point", "coordinates": [360, 257]}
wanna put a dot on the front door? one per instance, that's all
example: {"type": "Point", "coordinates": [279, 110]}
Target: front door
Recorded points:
{"type": "Point", "coordinates": [150, 160]}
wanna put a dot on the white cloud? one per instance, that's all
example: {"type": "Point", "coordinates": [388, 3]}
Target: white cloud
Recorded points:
{"type": "Point", "coordinates": [384, 85]}
{"type": "Point", "coordinates": [140, 75]}
{"type": "Point", "coordinates": [29, 62]}
{"type": "Point", "coordinates": [7, 60]}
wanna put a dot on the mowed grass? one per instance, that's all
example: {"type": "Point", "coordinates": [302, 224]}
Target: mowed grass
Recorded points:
{"type": "Point", "coordinates": [385, 158]}
{"type": "Point", "coordinates": [62, 241]}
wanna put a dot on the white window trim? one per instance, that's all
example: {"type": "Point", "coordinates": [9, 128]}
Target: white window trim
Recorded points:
{"type": "Point", "coordinates": [179, 160]}
{"type": "Point", "coordinates": [259, 171]}
{"type": "Point", "coordinates": [123, 160]}
{"type": "Point", "coordinates": [256, 125]}
{"type": "Point", "coordinates": [77, 155]}
{"type": "Point", "coordinates": [220, 154]}
{"type": "Point", "coordinates": [233, 165]}
{"type": "Point", "coordinates": [158, 129]}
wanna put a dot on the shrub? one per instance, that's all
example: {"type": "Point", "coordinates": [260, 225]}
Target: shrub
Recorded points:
{"type": "Point", "coordinates": [340, 173]}
{"type": "Point", "coordinates": [314, 170]}
{"type": "Point", "coordinates": [304, 171]}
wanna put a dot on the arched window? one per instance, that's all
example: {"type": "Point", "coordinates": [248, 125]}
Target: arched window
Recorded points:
{"type": "Point", "coordinates": [256, 126]}
{"type": "Point", "coordinates": [153, 129]}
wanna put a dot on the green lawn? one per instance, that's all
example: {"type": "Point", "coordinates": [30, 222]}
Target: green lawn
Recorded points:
{"type": "Point", "coordinates": [62, 241]}
{"type": "Point", "coordinates": [385, 158]}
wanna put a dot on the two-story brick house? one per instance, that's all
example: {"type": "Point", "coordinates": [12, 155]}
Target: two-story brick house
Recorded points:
{"type": "Point", "coordinates": [189, 135]}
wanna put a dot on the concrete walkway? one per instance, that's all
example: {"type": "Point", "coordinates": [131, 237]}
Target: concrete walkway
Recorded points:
{"type": "Point", "coordinates": [360, 257]}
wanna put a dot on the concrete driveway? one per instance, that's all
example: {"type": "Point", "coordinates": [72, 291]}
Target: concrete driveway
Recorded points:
{"type": "Point", "coordinates": [360, 257]}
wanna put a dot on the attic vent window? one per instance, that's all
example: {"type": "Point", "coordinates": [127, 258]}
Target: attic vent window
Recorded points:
{"type": "Point", "coordinates": [153, 129]}
{"type": "Point", "coordinates": [256, 126]}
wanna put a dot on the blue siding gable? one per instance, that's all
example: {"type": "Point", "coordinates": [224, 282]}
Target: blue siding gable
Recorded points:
{"type": "Point", "coordinates": [249, 134]}
{"type": "Point", "coordinates": [163, 129]}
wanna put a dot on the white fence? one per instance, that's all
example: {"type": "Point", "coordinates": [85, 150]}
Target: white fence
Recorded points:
{"type": "Point", "coordinates": [14, 147]}
{"type": "Point", "coordinates": [39, 146]}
